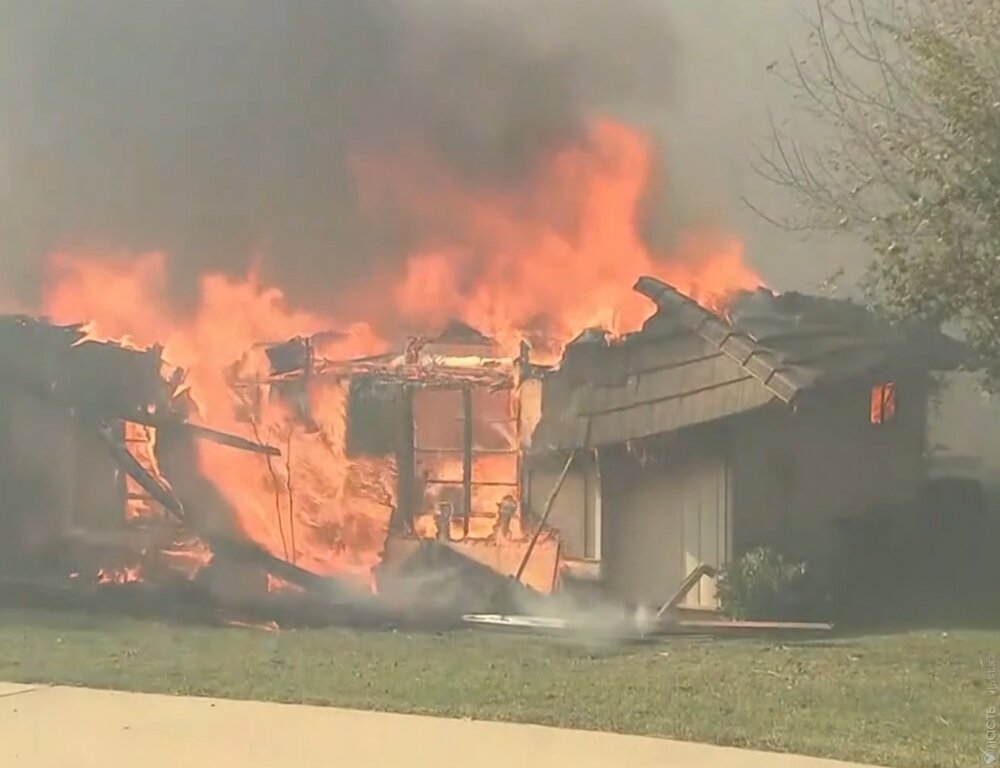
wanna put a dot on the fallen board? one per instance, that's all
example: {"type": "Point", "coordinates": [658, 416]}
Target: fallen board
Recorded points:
{"type": "Point", "coordinates": [604, 627]}
{"type": "Point", "coordinates": [638, 626]}
{"type": "Point", "coordinates": [499, 621]}
{"type": "Point", "coordinates": [724, 626]}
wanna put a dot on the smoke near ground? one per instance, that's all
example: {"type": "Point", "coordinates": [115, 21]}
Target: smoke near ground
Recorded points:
{"type": "Point", "coordinates": [220, 131]}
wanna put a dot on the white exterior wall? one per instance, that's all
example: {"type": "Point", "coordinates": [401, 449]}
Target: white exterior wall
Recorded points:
{"type": "Point", "coordinates": [662, 521]}
{"type": "Point", "coordinates": [576, 509]}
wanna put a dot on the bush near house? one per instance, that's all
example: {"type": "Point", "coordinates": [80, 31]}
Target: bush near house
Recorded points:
{"type": "Point", "coordinates": [762, 584]}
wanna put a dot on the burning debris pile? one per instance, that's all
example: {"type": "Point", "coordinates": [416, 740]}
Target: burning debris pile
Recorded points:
{"type": "Point", "coordinates": [381, 460]}
{"type": "Point", "coordinates": [100, 475]}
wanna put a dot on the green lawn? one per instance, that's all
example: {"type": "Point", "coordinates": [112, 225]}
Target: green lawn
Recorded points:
{"type": "Point", "coordinates": [914, 699]}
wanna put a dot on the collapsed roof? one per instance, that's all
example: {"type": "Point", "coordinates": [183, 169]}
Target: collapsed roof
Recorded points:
{"type": "Point", "coordinates": [792, 341]}
{"type": "Point", "coordinates": [62, 364]}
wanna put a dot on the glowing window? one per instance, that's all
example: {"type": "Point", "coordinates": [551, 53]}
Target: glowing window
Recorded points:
{"type": "Point", "coordinates": [883, 406]}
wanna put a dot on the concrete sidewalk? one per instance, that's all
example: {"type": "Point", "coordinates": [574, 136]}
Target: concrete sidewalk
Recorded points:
{"type": "Point", "coordinates": [57, 727]}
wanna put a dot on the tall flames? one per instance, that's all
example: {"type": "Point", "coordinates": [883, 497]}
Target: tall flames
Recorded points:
{"type": "Point", "coordinates": [540, 261]}
{"type": "Point", "coordinates": [551, 258]}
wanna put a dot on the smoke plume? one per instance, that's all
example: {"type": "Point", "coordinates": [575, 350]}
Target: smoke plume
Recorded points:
{"type": "Point", "coordinates": [221, 131]}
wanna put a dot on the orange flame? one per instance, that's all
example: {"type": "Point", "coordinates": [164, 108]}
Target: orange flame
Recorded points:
{"type": "Point", "coordinates": [128, 575]}
{"type": "Point", "coordinates": [549, 260]}
{"type": "Point", "coordinates": [545, 261]}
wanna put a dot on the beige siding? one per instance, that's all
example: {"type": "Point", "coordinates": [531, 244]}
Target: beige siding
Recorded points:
{"type": "Point", "coordinates": [704, 503]}
{"type": "Point", "coordinates": [55, 475]}
{"type": "Point", "coordinates": [568, 509]}
{"type": "Point", "coordinates": [797, 473]}
{"type": "Point", "coordinates": [661, 521]}
{"type": "Point", "coordinates": [528, 403]}
{"type": "Point", "coordinates": [642, 542]}
{"type": "Point", "coordinates": [648, 386]}
{"type": "Point", "coordinates": [99, 503]}
{"type": "Point", "coordinates": [575, 509]}
{"type": "Point", "coordinates": [692, 409]}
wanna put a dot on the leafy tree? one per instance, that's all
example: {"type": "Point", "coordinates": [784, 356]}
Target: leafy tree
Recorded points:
{"type": "Point", "coordinates": [906, 153]}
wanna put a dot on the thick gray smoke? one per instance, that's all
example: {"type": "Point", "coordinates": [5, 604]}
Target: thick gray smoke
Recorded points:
{"type": "Point", "coordinates": [220, 130]}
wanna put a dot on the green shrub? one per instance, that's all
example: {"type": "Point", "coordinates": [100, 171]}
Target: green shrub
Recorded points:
{"type": "Point", "coordinates": [761, 585]}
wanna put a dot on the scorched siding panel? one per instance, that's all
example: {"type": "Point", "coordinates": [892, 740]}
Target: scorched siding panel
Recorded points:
{"type": "Point", "coordinates": [663, 352]}
{"type": "Point", "coordinates": [668, 383]}
{"type": "Point", "coordinates": [667, 415]}
{"type": "Point", "coordinates": [574, 510]}
{"type": "Point", "coordinates": [653, 386]}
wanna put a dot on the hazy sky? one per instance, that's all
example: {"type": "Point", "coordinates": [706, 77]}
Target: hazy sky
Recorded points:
{"type": "Point", "coordinates": [721, 119]}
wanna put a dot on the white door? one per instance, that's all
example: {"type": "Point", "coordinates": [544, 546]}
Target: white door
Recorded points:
{"type": "Point", "coordinates": [664, 521]}
{"type": "Point", "coordinates": [705, 513]}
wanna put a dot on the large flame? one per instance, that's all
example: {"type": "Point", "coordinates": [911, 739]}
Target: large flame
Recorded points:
{"type": "Point", "coordinates": [550, 258]}
{"type": "Point", "coordinates": [543, 260]}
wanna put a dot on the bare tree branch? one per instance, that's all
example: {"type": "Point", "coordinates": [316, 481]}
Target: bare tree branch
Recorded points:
{"type": "Point", "coordinates": [904, 149]}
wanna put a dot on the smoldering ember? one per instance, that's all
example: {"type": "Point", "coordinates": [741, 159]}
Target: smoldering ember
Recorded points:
{"type": "Point", "coordinates": [454, 477]}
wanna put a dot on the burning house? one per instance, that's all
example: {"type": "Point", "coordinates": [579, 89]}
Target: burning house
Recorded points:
{"type": "Point", "coordinates": [203, 423]}
{"type": "Point", "coordinates": [702, 436]}
{"type": "Point", "coordinates": [633, 463]}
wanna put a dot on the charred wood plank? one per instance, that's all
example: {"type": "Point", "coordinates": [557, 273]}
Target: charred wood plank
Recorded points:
{"type": "Point", "coordinates": [689, 583]}
{"type": "Point", "coordinates": [232, 441]}
{"type": "Point", "coordinates": [130, 466]}
{"type": "Point", "coordinates": [189, 602]}
{"type": "Point", "coordinates": [203, 433]}
{"type": "Point", "coordinates": [721, 627]}
{"type": "Point", "coordinates": [180, 600]}
{"type": "Point", "coordinates": [545, 516]}
{"type": "Point", "coordinates": [467, 440]}
{"type": "Point", "coordinates": [402, 517]}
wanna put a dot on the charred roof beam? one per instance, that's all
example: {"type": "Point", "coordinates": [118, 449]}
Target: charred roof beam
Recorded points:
{"type": "Point", "coordinates": [733, 343]}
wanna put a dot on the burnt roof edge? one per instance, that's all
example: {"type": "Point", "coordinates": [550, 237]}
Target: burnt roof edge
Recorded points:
{"type": "Point", "coordinates": [729, 340]}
